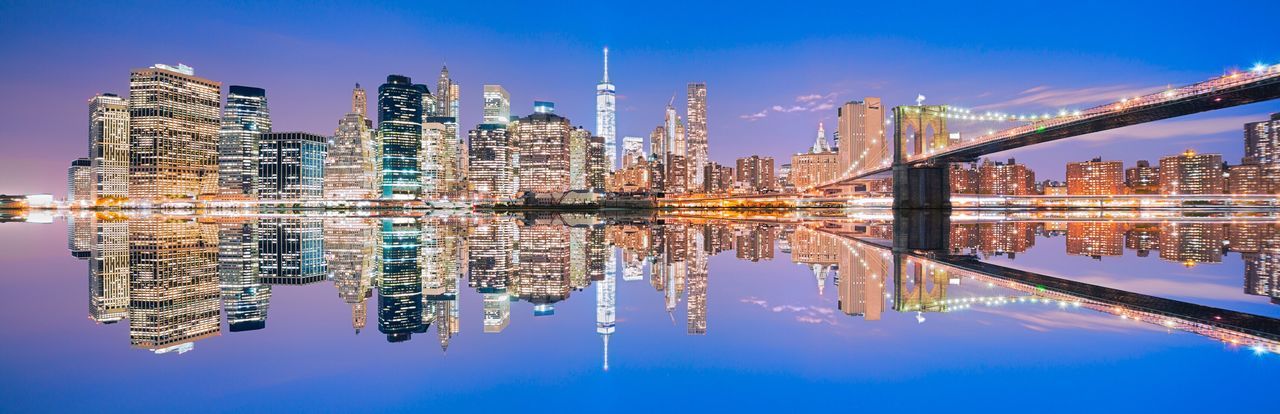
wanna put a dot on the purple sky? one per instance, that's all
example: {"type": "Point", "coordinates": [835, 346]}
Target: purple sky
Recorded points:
{"type": "Point", "coordinates": [772, 72]}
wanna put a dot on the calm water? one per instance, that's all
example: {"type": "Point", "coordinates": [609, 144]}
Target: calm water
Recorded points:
{"type": "Point", "coordinates": [696, 311]}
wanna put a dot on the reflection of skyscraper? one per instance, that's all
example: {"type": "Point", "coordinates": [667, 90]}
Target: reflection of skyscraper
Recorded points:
{"type": "Point", "coordinates": [606, 311]}
{"type": "Point", "coordinates": [400, 305]}
{"type": "Point", "coordinates": [291, 251]}
{"type": "Point", "coordinates": [490, 263]}
{"type": "Point", "coordinates": [860, 278]}
{"type": "Point", "coordinates": [173, 283]}
{"type": "Point", "coordinates": [244, 297]}
{"type": "Point", "coordinates": [109, 270]}
{"type": "Point", "coordinates": [543, 275]}
{"type": "Point", "coordinates": [1142, 238]}
{"type": "Point", "coordinates": [351, 248]}
{"type": "Point", "coordinates": [80, 233]}
{"type": "Point", "coordinates": [755, 242]}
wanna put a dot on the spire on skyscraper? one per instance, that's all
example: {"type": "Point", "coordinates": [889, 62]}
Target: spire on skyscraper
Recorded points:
{"type": "Point", "coordinates": [606, 65]}
{"type": "Point", "coordinates": [820, 144]}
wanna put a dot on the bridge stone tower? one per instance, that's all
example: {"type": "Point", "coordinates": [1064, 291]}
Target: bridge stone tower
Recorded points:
{"type": "Point", "coordinates": [919, 186]}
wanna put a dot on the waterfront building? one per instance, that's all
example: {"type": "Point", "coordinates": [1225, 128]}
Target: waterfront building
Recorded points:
{"type": "Point", "coordinates": [542, 147]}
{"type": "Point", "coordinates": [755, 174]}
{"type": "Point", "coordinates": [697, 132]}
{"type": "Point", "coordinates": [491, 161]}
{"type": "Point", "coordinates": [439, 162]}
{"type": "Point", "coordinates": [1053, 188]}
{"type": "Point", "coordinates": [861, 144]}
{"type": "Point", "coordinates": [1143, 178]}
{"type": "Point", "coordinates": [174, 119]}
{"type": "Point", "coordinates": [632, 151]}
{"type": "Point", "coordinates": [819, 165]}
{"type": "Point", "coordinates": [578, 158]}
{"type": "Point", "coordinates": [350, 171]}
{"type": "Point", "coordinates": [964, 178]}
{"type": "Point", "coordinates": [1246, 179]}
{"type": "Point", "coordinates": [597, 163]}
{"type": "Point", "coordinates": [291, 166]}
{"type": "Point", "coordinates": [1095, 177]}
{"type": "Point", "coordinates": [1262, 147]}
{"type": "Point", "coordinates": [244, 120]}
{"type": "Point", "coordinates": [634, 178]}
{"type": "Point", "coordinates": [400, 115]}
{"type": "Point", "coordinates": [497, 105]}
{"type": "Point", "coordinates": [1009, 178]}
{"type": "Point", "coordinates": [80, 183]}
{"type": "Point", "coordinates": [1192, 174]}
{"type": "Point", "coordinates": [606, 113]}
{"type": "Point", "coordinates": [109, 148]}
{"type": "Point", "coordinates": [719, 178]}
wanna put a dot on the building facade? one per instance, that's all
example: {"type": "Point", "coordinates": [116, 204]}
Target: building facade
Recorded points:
{"type": "Point", "coordinates": [109, 148]}
{"type": "Point", "coordinates": [755, 174]}
{"type": "Point", "coordinates": [542, 147]}
{"type": "Point", "coordinates": [291, 166]}
{"type": "Point", "coordinates": [1009, 178]}
{"type": "Point", "coordinates": [491, 162]}
{"type": "Point", "coordinates": [497, 105]}
{"type": "Point", "coordinates": [174, 119]}
{"type": "Point", "coordinates": [80, 183]}
{"type": "Point", "coordinates": [400, 116]}
{"type": "Point", "coordinates": [1095, 177]}
{"type": "Point", "coordinates": [351, 171]}
{"type": "Point", "coordinates": [632, 151]}
{"type": "Point", "coordinates": [861, 142]}
{"type": "Point", "coordinates": [244, 120]}
{"type": "Point", "coordinates": [1192, 174]}
{"type": "Point", "coordinates": [1143, 178]}
{"type": "Point", "coordinates": [606, 115]}
{"type": "Point", "coordinates": [697, 132]}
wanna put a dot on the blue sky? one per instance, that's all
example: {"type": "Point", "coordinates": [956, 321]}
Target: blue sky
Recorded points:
{"type": "Point", "coordinates": [755, 56]}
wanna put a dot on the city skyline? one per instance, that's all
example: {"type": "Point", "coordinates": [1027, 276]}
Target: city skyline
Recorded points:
{"type": "Point", "coordinates": [313, 100]}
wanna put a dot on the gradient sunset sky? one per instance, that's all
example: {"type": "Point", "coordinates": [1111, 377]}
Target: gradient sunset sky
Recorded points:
{"type": "Point", "coordinates": [773, 69]}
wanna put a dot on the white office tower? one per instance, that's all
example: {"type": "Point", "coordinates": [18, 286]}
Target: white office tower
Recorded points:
{"type": "Point", "coordinates": [606, 112]}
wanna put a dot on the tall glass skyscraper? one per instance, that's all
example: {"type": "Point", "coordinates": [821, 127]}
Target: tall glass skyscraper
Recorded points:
{"type": "Point", "coordinates": [606, 111]}
{"type": "Point", "coordinates": [497, 105]}
{"type": "Point", "coordinates": [109, 147]}
{"type": "Point", "coordinates": [697, 132]}
{"type": "Point", "coordinates": [244, 120]}
{"type": "Point", "coordinates": [400, 127]}
{"type": "Point", "coordinates": [291, 166]}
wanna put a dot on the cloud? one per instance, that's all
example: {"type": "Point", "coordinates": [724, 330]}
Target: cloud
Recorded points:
{"type": "Point", "coordinates": [1047, 96]}
{"type": "Point", "coordinates": [804, 103]}
{"type": "Point", "coordinates": [756, 116]}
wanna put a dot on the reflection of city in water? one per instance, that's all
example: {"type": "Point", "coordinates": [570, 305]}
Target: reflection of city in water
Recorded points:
{"type": "Point", "coordinates": [175, 278]}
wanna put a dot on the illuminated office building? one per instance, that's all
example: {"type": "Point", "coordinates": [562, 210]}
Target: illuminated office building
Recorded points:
{"type": "Point", "coordinates": [1143, 178]}
{"type": "Point", "coordinates": [819, 165]}
{"type": "Point", "coordinates": [542, 147]}
{"type": "Point", "coordinates": [440, 158]}
{"type": "Point", "coordinates": [291, 251]}
{"type": "Point", "coordinates": [497, 105]}
{"type": "Point", "coordinates": [400, 115]}
{"type": "Point", "coordinates": [632, 151]}
{"type": "Point", "coordinates": [173, 133]}
{"type": "Point", "coordinates": [80, 182]}
{"type": "Point", "coordinates": [491, 162]}
{"type": "Point", "coordinates": [719, 179]}
{"type": "Point", "coordinates": [1095, 177]}
{"type": "Point", "coordinates": [578, 158]}
{"type": "Point", "coordinates": [244, 120]}
{"type": "Point", "coordinates": [697, 133]}
{"type": "Point", "coordinates": [245, 299]}
{"type": "Point", "coordinates": [860, 127]}
{"type": "Point", "coordinates": [606, 112]}
{"type": "Point", "coordinates": [291, 166]}
{"type": "Point", "coordinates": [597, 163]}
{"type": "Point", "coordinates": [1192, 174]}
{"type": "Point", "coordinates": [173, 283]}
{"type": "Point", "coordinates": [109, 147]}
{"type": "Point", "coordinates": [350, 171]}
{"type": "Point", "coordinates": [446, 96]}
{"type": "Point", "coordinates": [755, 174]}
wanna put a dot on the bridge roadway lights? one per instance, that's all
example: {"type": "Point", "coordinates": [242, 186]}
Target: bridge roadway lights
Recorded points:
{"type": "Point", "coordinates": [921, 188]}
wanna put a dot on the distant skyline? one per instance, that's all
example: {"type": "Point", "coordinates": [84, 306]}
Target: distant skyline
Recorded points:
{"type": "Point", "coordinates": [772, 73]}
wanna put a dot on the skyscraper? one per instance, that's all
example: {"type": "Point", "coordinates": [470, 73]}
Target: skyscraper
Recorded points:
{"type": "Point", "coordinates": [351, 167]}
{"type": "Point", "coordinates": [697, 132]}
{"type": "Point", "coordinates": [400, 116]}
{"type": "Point", "coordinates": [244, 120]}
{"type": "Point", "coordinates": [109, 148]}
{"type": "Point", "coordinates": [578, 158]}
{"type": "Point", "coordinates": [80, 182]}
{"type": "Point", "coordinates": [861, 142]}
{"type": "Point", "coordinates": [491, 161]}
{"type": "Point", "coordinates": [291, 166]}
{"type": "Point", "coordinates": [542, 146]}
{"type": "Point", "coordinates": [1262, 147]}
{"type": "Point", "coordinates": [439, 159]}
{"type": "Point", "coordinates": [497, 105]}
{"type": "Point", "coordinates": [756, 173]}
{"type": "Point", "coordinates": [446, 95]}
{"type": "Point", "coordinates": [606, 112]}
{"type": "Point", "coordinates": [173, 133]}
{"type": "Point", "coordinates": [632, 151]}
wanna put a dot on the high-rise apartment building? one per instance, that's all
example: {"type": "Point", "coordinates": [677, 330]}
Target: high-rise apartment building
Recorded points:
{"type": "Point", "coordinates": [350, 170]}
{"type": "Point", "coordinates": [755, 174]}
{"type": "Point", "coordinates": [697, 132]}
{"type": "Point", "coordinates": [963, 177]}
{"type": "Point", "coordinates": [497, 105]}
{"type": "Point", "coordinates": [1191, 173]}
{"type": "Point", "coordinates": [400, 115]}
{"type": "Point", "coordinates": [1246, 179]}
{"type": "Point", "coordinates": [109, 148]}
{"type": "Point", "coordinates": [1262, 147]}
{"type": "Point", "coordinates": [1143, 178]}
{"type": "Point", "coordinates": [174, 118]}
{"type": "Point", "coordinates": [862, 144]}
{"type": "Point", "coordinates": [542, 147]}
{"type": "Point", "coordinates": [291, 166]}
{"type": "Point", "coordinates": [244, 120]}
{"type": "Point", "coordinates": [491, 161]}
{"type": "Point", "coordinates": [1095, 177]}
{"type": "Point", "coordinates": [606, 113]}
{"type": "Point", "coordinates": [1009, 178]}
